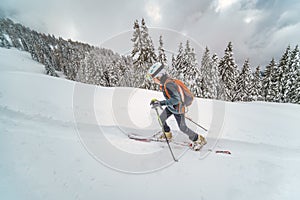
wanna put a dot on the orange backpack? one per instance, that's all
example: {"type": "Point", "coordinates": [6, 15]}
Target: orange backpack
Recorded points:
{"type": "Point", "coordinates": [187, 96]}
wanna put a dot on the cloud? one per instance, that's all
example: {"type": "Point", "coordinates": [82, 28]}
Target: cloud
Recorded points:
{"type": "Point", "coordinates": [253, 27]}
{"type": "Point", "coordinates": [259, 29]}
{"type": "Point", "coordinates": [153, 11]}
{"type": "Point", "coordinates": [222, 5]}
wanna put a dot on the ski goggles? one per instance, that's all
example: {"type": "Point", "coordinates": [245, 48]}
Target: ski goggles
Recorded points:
{"type": "Point", "coordinates": [149, 77]}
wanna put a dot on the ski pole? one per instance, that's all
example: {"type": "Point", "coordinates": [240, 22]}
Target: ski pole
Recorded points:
{"type": "Point", "coordinates": [196, 123]}
{"type": "Point", "coordinates": [163, 130]}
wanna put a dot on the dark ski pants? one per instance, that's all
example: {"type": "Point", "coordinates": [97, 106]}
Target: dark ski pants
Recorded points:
{"type": "Point", "coordinates": [180, 119]}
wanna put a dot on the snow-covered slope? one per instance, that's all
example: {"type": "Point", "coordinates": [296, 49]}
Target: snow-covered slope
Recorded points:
{"type": "Point", "coordinates": [65, 140]}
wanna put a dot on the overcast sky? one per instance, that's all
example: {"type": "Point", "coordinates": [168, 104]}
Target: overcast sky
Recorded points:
{"type": "Point", "coordinates": [259, 29]}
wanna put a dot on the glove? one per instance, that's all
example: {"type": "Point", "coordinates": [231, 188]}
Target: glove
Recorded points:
{"type": "Point", "coordinates": [155, 103]}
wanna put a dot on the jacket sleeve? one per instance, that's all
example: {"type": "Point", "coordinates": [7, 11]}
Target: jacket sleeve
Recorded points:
{"type": "Point", "coordinates": [174, 95]}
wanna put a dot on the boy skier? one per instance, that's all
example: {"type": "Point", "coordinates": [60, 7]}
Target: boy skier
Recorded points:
{"type": "Point", "coordinates": [174, 104]}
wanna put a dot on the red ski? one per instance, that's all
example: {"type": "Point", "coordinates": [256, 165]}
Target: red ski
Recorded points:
{"type": "Point", "coordinates": [223, 151]}
{"type": "Point", "coordinates": [154, 138]}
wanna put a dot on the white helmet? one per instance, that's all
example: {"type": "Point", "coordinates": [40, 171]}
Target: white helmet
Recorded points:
{"type": "Point", "coordinates": [156, 70]}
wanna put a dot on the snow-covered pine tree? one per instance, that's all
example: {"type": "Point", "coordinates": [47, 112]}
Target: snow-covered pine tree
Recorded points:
{"type": "Point", "coordinates": [186, 61]}
{"type": "Point", "coordinates": [215, 84]}
{"type": "Point", "coordinates": [209, 73]}
{"type": "Point", "coordinates": [124, 71]}
{"type": "Point", "coordinates": [296, 95]}
{"type": "Point", "coordinates": [111, 73]}
{"type": "Point", "coordinates": [285, 81]}
{"type": "Point", "coordinates": [206, 73]}
{"type": "Point", "coordinates": [162, 58]}
{"type": "Point", "coordinates": [138, 67]}
{"type": "Point", "coordinates": [4, 42]}
{"type": "Point", "coordinates": [4, 38]}
{"type": "Point", "coordinates": [49, 69]}
{"type": "Point", "coordinates": [143, 55]}
{"type": "Point", "coordinates": [185, 68]}
{"type": "Point", "coordinates": [267, 82]}
{"type": "Point", "coordinates": [228, 73]}
{"type": "Point", "coordinates": [193, 77]}
{"type": "Point", "coordinates": [256, 89]}
{"type": "Point", "coordinates": [293, 94]}
{"type": "Point", "coordinates": [149, 54]}
{"type": "Point", "coordinates": [117, 69]}
{"type": "Point", "coordinates": [244, 83]}
{"type": "Point", "coordinates": [57, 53]}
{"type": "Point", "coordinates": [74, 63]}
{"type": "Point", "coordinates": [31, 47]}
{"type": "Point", "coordinates": [188, 71]}
{"type": "Point", "coordinates": [171, 68]}
{"type": "Point", "coordinates": [100, 77]}
{"type": "Point", "coordinates": [179, 62]}
{"type": "Point", "coordinates": [87, 72]}
{"type": "Point", "coordinates": [14, 32]}
{"type": "Point", "coordinates": [65, 57]}
{"type": "Point", "coordinates": [44, 53]}
{"type": "Point", "coordinates": [81, 75]}
{"type": "Point", "coordinates": [280, 77]}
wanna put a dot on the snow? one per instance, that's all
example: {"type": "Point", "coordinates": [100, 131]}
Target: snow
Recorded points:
{"type": "Point", "coordinates": [8, 39]}
{"type": "Point", "coordinates": [13, 60]}
{"type": "Point", "coordinates": [65, 140]}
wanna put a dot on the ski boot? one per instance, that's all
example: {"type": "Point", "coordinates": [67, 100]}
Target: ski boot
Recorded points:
{"type": "Point", "coordinates": [199, 143]}
{"type": "Point", "coordinates": [168, 134]}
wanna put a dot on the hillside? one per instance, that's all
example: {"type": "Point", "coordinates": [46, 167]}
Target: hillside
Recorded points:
{"type": "Point", "coordinates": [65, 140]}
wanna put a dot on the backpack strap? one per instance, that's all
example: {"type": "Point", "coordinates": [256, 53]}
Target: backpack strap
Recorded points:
{"type": "Point", "coordinates": [179, 89]}
{"type": "Point", "coordinates": [165, 88]}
